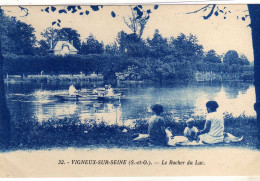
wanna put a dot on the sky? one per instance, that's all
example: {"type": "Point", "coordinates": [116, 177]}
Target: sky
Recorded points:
{"type": "Point", "coordinates": [215, 33]}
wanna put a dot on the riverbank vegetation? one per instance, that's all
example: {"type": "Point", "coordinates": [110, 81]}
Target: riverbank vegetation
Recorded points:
{"type": "Point", "coordinates": [130, 57]}
{"type": "Point", "coordinates": [72, 132]}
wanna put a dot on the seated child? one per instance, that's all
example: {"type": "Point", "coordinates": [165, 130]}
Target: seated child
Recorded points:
{"type": "Point", "coordinates": [191, 132]}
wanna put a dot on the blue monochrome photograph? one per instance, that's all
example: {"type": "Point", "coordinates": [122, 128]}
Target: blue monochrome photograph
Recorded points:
{"type": "Point", "coordinates": [137, 77]}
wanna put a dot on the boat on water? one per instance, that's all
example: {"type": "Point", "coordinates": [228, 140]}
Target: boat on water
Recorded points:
{"type": "Point", "coordinates": [67, 97]}
{"type": "Point", "coordinates": [88, 97]}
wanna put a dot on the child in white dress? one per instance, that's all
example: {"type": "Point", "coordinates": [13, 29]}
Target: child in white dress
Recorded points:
{"type": "Point", "coordinates": [191, 132]}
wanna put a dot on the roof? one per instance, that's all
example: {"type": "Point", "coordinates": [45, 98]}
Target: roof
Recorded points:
{"type": "Point", "coordinates": [61, 44]}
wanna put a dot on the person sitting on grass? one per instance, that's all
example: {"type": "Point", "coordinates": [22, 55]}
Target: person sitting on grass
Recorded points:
{"type": "Point", "coordinates": [156, 127]}
{"type": "Point", "coordinates": [191, 131]}
{"type": "Point", "coordinates": [213, 131]}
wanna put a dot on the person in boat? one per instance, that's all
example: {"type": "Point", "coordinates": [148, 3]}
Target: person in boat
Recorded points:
{"type": "Point", "coordinates": [72, 90]}
{"type": "Point", "coordinates": [156, 127]}
{"type": "Point", "coordinates": [106, 89]}
{"type": "Point", "coordinates": [213, 131]}
{"type": "Point", "coordinates": [110, 91]}
{"type": "Point", "coordinates": [95, 91]}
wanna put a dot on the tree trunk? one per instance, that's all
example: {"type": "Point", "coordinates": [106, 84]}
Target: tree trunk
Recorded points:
{"type": "Point", "coordinates": [254, 11]}
{"type": "Point", "coordinates": [4, 112]}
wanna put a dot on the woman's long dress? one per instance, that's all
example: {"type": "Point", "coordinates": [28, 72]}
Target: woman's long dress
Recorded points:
{"type": "Point", "coordinates": [215, 134]}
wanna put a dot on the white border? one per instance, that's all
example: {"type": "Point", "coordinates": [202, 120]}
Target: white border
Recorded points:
{"type": "Point", "coordinates": [122, 2]}
{"type": "Point", "coordinates": [193, 178]}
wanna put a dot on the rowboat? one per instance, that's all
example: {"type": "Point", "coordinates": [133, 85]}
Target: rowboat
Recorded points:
{"type": "Point", "coordinates": [88, 97]}
{"type": "Point", "coordinates": [67, 97]}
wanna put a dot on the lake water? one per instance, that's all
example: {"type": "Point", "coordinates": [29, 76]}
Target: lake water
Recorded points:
{"type": "Point", "coordinates": [37, 101]}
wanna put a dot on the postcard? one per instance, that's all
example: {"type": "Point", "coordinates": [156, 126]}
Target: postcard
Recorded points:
{"type": "Point", "coordinates": [129, 91]}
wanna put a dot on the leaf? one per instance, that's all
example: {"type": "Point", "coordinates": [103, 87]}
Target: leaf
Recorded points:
{"type": "Point", "coordinates": [139, 12]}
{"type": "Point", "coordinates": [53, 23]}
{"type": "Point", "coordinates": [156, 6]}
{"type": "Point", "coordinates": [58, 24]}
{"type": "Point", "coordinates": [148, 11]}
{"type": "Point", "coordinates": [87, 12]}
{"type": "Point", "coordinates": [243, 18]}
{"type": "Point", "coordinates": [113, 14]}
{"type": "Point", "coordinates": [47, 9]}
{"type": "Point", "coordinates": [53, 9]}
{"type": "Point", "coordinates": [136, 8]}
{"type": "Point", "coordinates": [59, 20]}
{"type": "Point", "coordinates": [81, 13]}
{"type": "Point", "coordinates": [69, 8]}
{"type": "Point", "coordinates": [216, 13]}
{"type": "Point", "coordinates": [140, 6]}
{"type": "Point", "coordinates": [94, 8]}
{"type": "Point", "coordinates": [79, 7]}
{"type": "Point", "coordinates": [62, 11]}
{"type": "Point", "coordinates": [221, 11]}
{"type": "Point", "coordinates": [72, 9]}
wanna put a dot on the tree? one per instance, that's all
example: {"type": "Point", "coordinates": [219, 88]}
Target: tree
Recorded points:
{"type": "Point", "coordinates": [131, 45]}
{"type": "Point", "coordinates": [112, 49]}
{"type": "Point", "coordinates": [254, 11]}
{"type": "Point", "coordinates": [51, 36]}
{"type": "Point", "coordinates": [231, 57]}
{"type": "Point", "coordinates": [138, 20]}
{"type": "Point", "coordinates": [71, 35]}
{"type": "Point", "coordinates": [66, 34]}
{"type": "Point", "coordinates": [158, 46]}
{"type": "Point", "coordinates": [212, 57]}
{"type": "Point", "coordinates": [186, 47]}
{"type": "Point", "coordinates": [4, 111]}
{"type": "Point", "coordinates": [43, 47]}
{"type": "Point", "coordinates": [92, 46]}
{"type": "Point", "coordinates": [18, 37]}
{"type": "Point", "coordinates": [243, 60]}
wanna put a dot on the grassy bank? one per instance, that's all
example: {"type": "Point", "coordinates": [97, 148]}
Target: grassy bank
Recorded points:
{"type": "Point", "coordinates": [72, 132]}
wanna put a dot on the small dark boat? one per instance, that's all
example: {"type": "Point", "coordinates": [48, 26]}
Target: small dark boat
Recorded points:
{"type": "Point", "coordinates": [66, 97]}
{"type": "Point", "coordinates": [88, 97]}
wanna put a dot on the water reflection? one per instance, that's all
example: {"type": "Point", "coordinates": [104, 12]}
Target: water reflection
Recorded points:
{"type": "Point", "coordinates": [47, 107]}
{"type": "Point", "coordinates": [29, 100]}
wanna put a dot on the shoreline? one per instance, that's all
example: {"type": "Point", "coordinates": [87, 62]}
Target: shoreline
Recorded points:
{"type": "Point", "coordinates": [100, 78]}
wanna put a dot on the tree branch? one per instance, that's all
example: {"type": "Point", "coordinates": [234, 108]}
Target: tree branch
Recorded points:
{"type": "Point", "coordinates": [205, 7]}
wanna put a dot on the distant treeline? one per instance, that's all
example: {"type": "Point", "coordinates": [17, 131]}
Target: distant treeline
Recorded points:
{"type": "Point", "coordinates": [134, 68]}
{"type": "Point", "coordinates": [130, 56]}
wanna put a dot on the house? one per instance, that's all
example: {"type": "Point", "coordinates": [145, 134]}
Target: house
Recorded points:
{"type": "Point", "coordinates": [64, 48]}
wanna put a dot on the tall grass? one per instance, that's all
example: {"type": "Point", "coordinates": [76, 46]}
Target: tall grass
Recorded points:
{"type": "Point", "coordinates": [73, 132]}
